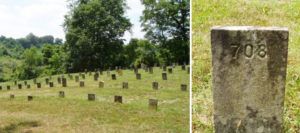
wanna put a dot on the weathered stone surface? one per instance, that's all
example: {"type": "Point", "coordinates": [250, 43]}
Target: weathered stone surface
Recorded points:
{"type": "Point", "coordinates": [118, 99]}
{"type": "Point", "coordinates": [249, 72]}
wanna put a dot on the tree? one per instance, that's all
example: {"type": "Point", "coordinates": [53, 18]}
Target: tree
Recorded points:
{"type": "Point", "coordinates": [93, 33]}
{"type": "Point", "coordinates": [139, 52]}
{"type": "Point", "coordinates": [31, 66]}
{"type": "Point", "coordinates": [166, 23]}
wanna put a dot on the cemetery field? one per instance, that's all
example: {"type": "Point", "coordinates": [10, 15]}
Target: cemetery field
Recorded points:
{"type": "Point", "coordinates": [47, 112]}
{"type": "Point", "coordinates": [207, 14]}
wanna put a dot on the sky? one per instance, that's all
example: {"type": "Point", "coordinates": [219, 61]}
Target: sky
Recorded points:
{"type": "Point", "coordinates": [18, 18]}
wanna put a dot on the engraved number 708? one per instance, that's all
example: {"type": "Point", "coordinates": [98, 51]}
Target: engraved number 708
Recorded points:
{"type": "Point", "coordinates": [249, 50]}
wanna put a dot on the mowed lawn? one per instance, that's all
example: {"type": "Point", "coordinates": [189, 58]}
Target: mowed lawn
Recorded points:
{"type": "Point", "coordinates": [209, 13]}
{"type": "Point", "coordinates": [74, 113]}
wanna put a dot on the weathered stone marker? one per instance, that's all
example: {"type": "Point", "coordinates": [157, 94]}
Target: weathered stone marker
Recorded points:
{"type": "Point", "coordinates": [155, 85]}
{"type": "Point", "coordinates": [113, 77]}
{"type": "Point", "coordinates": [11, 96]}
{"type": "Point", "coordinates": [38, 85]}
{"type": "Point", "coordinates": [81, 84]}
{"type": "Point", "coordinates": [170, 70]}
{"type": "Point", "coordinates": [138, 76]}
{"type": "Point", "coordinates": [164, 68]}
{"type": "Point", "coordinates": [76, 78]}
{"type": "Point", "coordinates": [28, 86]}
{"type": "Point", "coordinates": [8, 87]}
{"type": "Point", "coordinates": [101, 84]}
{"type": "Point", "coordinates": [118, 99]}
{"type": "Point", "coordinates": [249, 72]}
{"type": "Point", "coordinates": [20, 86]}
{"type": "Point", "coordinates": [183, 87]}
{"type": "Point", "coordinates": [61, 94]}
{"type": "Point", "coordinates": [96, 76]}
{"type": "Point", "coordinates": [64, 82]}
{"type": "Point", "coordinates": [164, 76]}
{"type": "Point", "coordinates": [125, 85]}
{"type": "Point", "coordinates": [153, 104]}
{"type": "Point", "coordinates": [183, 67]}
{"type": "Point", "coordinates": [59, 80]}
{"type": "Point", "coordinates": [30, 98]}
{"type": "Point", "coordinates": [91, 97]}
{"type": "Point", "coordinates": [47, 81]}
{"type": "Point", "coordinates": [150, 70]}
{"type": "Point", "coordinates": [51, 84]}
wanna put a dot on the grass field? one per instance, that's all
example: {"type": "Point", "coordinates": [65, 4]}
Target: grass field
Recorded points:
{"type": "Point", "coordinates": [208, 13]}
{"type": "Point", "coordinates": [74, 113]}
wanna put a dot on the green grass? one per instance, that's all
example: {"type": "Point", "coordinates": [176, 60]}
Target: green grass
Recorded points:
{"type": "Point", "coordinates": [208, 13]}
{"type": "Point", "coordinates": [74, 113]}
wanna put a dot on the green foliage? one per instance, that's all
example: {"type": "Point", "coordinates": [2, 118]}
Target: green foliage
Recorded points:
{"type": "Point", "coordinates": [166, 22]}
{"type": "Point", "coordinates": [139, 52]}
{"type": "Point", "coordinates": [54, 59]}
{"type": "Point", "coordinates": [93, 33]}
{"type": "Point", "coordinates": [31, 66]}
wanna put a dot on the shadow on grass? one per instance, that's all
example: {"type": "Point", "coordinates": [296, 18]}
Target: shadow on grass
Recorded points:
{"type": "Point", "coordinates": [15, 127]}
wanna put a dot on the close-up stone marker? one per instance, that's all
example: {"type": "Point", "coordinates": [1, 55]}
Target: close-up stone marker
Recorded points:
{"type": "Point", "coordinates": [249, 72]}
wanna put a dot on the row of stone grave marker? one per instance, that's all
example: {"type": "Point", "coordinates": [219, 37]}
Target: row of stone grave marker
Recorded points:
{"type": "Point", "coordinates": [96, 76]}
{"type": "Point", "coordinates": [63, 81]}
{"type": "Point", "coordinates": [125, 85]}
{"type": "Point", "coordinates": [153, 103]}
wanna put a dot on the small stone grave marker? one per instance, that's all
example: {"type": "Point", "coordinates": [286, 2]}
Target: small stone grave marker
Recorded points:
{"type": "Point", "coordinates": [153, 104]}
{"type": "Point", "coordinates": [118, 99]}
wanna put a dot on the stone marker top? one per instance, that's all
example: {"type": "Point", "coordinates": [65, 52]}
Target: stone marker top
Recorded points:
{"type": "Point", "coordinates": [249, 28]}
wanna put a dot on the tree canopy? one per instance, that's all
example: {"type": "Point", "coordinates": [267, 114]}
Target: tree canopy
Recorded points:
{"type": "Point", "coordinates": [166, 23]}
{"type": "Point", "coordinates": [94, 29]}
